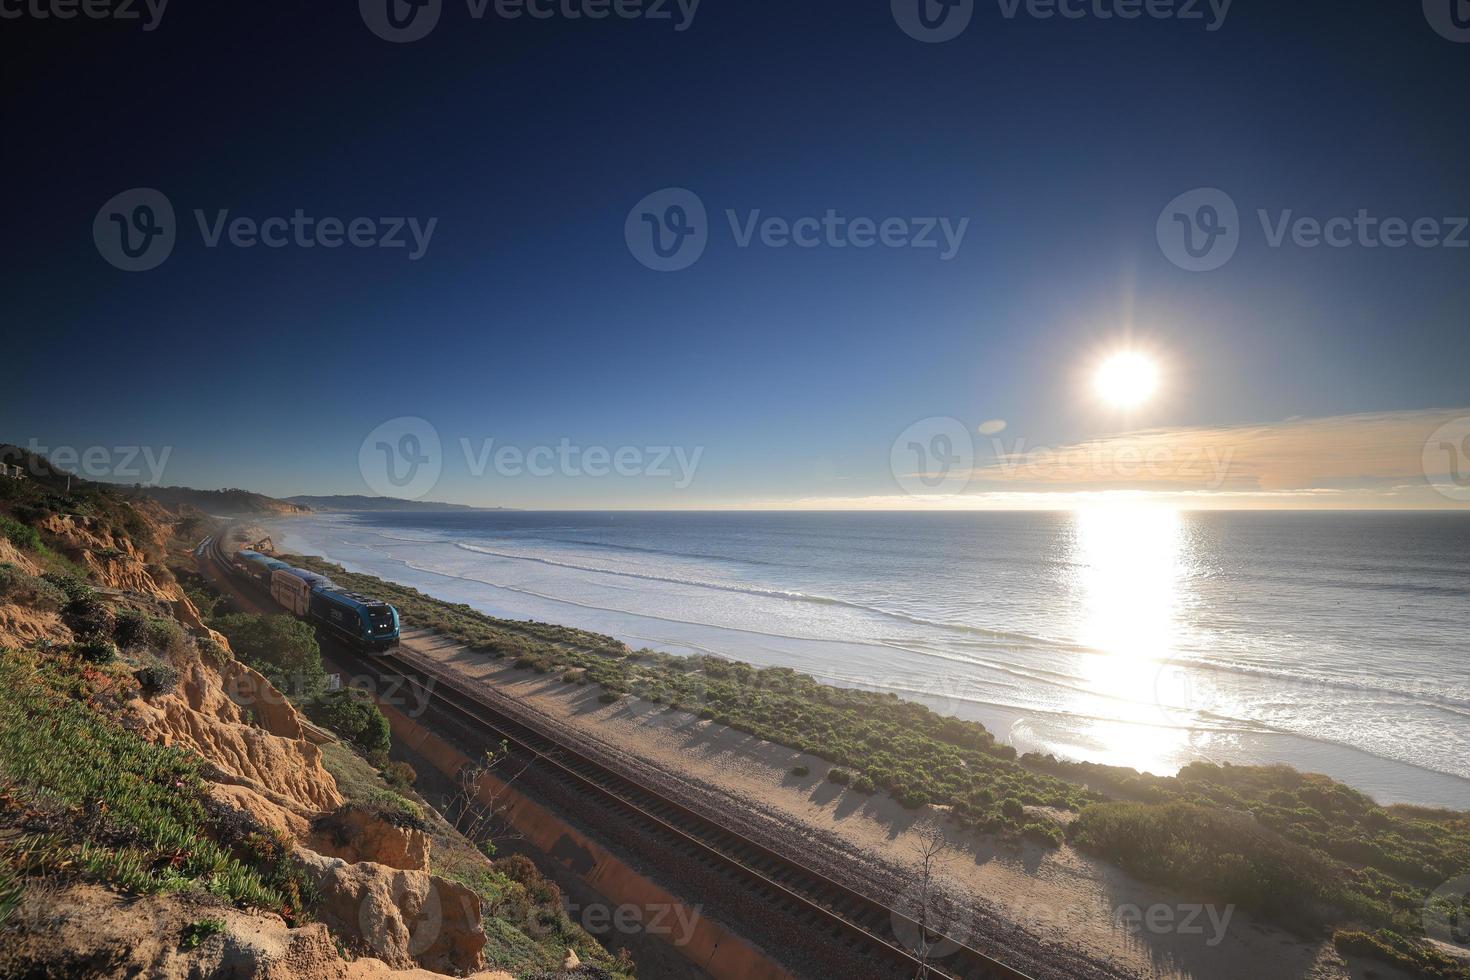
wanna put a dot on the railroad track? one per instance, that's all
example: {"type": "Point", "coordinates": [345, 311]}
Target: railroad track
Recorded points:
{"type": "Point", "coordinates": [825, 908]}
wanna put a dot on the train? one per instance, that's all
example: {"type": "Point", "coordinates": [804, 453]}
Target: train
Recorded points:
{"type": "Point", "coordinates": [368, 624]}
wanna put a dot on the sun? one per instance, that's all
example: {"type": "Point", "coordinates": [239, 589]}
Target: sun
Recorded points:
{"type": "Point", "coordinates": [1127, 379]}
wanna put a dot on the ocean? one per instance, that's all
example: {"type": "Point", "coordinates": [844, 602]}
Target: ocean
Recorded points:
{"type": "Point", "coordinates": [1136, 636]}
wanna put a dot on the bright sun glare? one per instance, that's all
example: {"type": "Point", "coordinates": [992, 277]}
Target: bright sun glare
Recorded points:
{"type": "Point", "coordinates": [1127, 379]}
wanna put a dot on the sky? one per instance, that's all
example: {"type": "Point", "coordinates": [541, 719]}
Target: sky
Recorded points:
{"type": "Point", "coordinates": [982, 221]}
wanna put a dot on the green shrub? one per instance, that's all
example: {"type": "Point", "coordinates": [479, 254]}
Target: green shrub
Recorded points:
{"type": "Point", "coordinates": [281, 647]}
{"type": "Point", "coordinates": [801, 771]}
{"type": "Point", "coordinates": [98, 652]}
{"type": "Point", "coordinates": [1043, 833]}
{"type": "Point", "coordinates": [23, 537]}
{"type": "Point", "coordinates": [129, 629]}
{"type": "Point", "coordinates": [136, 630]}
{"type": "Point", "coordinates": [156, 678]}
{"type": "Point", "coordinates": [608, 697]}
{"type": "Point", "coordinates": [839, 776]}
{"type": "Point", "coordinates": [28, 590]}
{"type": "Point", "coordinates": [399, 775]}
{"type": "Point", "coordinates": [199, 930]}
{"type": "Point", "coordinates": [88, 618]}
{"type": "Point", "coordinates": [1012, 808]}
{"type": "Point", "coordinates": [354, 716]}
{"type": "Point", "coordinates": [863, 784]}
{"type": "Point", "coordinates": [1415, 958]}
{"type": "Point", "coordinates": [72, 587]}
{"type": "Point", "coordinates": [1224, 854]}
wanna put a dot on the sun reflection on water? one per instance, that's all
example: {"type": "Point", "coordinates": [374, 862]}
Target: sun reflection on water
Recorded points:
{"type": "Point", "coordinates": [1128, 562]}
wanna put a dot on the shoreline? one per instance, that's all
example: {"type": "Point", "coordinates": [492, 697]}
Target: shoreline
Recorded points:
{"type": "Point", "coordinates": [1287, 831]}
{"type": "Point", "coordinates": [1083, 738]}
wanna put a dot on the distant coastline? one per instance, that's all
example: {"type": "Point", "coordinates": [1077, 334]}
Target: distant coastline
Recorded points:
{"type": "Point", "coordinates": [357, 503]}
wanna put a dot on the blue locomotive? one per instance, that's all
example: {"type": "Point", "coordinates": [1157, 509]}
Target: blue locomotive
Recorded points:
{"type": "Point", "coordinates": [366, 623]}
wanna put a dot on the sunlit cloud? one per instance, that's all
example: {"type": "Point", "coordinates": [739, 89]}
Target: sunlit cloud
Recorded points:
{"type": "Point", "coordinates": [1373, 451]}
{"type": "Point", "coordinates": [1363, 461]}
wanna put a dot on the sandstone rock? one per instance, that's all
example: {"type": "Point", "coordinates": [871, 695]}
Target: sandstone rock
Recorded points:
{"type": "Point", "coordinates": [405, 918]}
{"type": "Point", "coordinates": [239, 722]}
{"type": "Point", "coordinates": [359, 833]}
{"type": "Point", "coordinates": [571, 962]}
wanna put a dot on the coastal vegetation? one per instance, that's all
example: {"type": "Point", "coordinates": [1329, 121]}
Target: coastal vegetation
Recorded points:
{"type": "Point", "coordinates": [1298, 849]}
{"type": "Point", "coordinates": [82, 793]}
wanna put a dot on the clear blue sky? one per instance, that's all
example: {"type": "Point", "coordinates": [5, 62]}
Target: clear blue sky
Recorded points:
{"type": "Point", "coordinates": [529, 321]}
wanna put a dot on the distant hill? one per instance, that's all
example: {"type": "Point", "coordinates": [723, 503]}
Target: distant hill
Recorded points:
{"type": "Point", "coordinates": [357, 502]}
{"type": "Point", "coordinates": [221, 502]}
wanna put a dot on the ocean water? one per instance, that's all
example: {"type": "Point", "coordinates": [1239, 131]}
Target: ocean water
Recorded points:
{"type": "Point", "coordinates": [1137, 636]}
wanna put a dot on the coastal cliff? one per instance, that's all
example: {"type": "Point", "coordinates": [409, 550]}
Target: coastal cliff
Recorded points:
{"type": "Point", "coordinates": [163, 811]}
